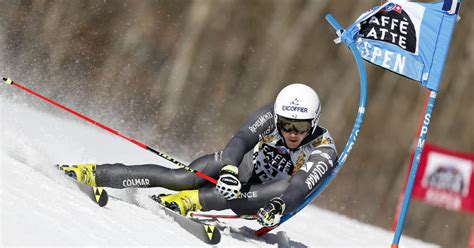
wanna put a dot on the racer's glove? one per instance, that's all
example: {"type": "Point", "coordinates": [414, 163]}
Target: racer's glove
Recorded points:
{"type": "Point", "coordinates": [228, 184]}
{"type": "Point", "coordinates": [271, 213]}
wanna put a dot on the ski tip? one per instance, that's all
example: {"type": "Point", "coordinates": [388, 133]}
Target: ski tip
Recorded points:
{"type": "Point", "coordinates": [101, 196]}
{"type": "Point", "coordinates": [213, 234]}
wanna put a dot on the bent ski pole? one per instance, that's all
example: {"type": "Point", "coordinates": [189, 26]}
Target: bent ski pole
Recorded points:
{"type": "Point", "coordinates": [172, 160]}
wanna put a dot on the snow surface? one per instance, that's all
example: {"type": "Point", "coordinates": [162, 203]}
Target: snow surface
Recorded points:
{"type": "Point", "coordinates": [40, 207]}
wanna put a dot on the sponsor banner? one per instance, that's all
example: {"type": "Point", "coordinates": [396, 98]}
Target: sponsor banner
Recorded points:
{"type": "Point", "coordinates": [445, 179]}
{"type": "Point", "coordinates": [408, 38]}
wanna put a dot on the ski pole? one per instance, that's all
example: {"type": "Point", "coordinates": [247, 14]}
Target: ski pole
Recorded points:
{"type": "Point", "coordinates": [224, 216]}
{"type": "Point", "coordinates": [172, 160]}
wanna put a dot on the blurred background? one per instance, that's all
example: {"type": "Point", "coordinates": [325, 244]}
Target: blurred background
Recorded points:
{"type": "Point", "coordinates": [182, 76]}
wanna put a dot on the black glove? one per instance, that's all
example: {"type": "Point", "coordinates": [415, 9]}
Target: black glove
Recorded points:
{"type": "Point", "coordinates": [270, 214]}
{"type": "Point", "coordinates": [228, 184]}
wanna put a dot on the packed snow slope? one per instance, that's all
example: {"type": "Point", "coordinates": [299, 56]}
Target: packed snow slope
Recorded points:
{"type": "Point", "coordinates": [40, 207]}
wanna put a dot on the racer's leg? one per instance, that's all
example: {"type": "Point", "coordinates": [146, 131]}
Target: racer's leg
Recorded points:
{"type": "Point", "coordinates": [152, 175]}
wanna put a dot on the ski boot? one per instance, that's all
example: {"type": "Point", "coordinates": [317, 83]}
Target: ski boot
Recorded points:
{"type": "Point", "coordinates": [84, 173]}
{"type": "Point", "coordinates": [184, 202]}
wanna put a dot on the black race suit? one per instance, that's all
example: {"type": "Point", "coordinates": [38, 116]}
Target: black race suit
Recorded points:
{"type": "Point", "coordinates": [267, 168]}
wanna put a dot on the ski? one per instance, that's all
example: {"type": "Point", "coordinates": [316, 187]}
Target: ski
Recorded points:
{"type": "Point", "coordinates": [206, 232]}
{"type": "Point", "coordinates": [97, 194]}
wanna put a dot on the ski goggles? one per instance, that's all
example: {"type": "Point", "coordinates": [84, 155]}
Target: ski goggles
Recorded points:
{"type": "Point", "coordinates": [289, 125]}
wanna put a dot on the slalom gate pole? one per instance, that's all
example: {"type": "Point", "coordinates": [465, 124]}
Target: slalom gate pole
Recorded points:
{"type": "Point", "coordinates": [172, 160]}
{"type": "Point", "coordinates": [414, 169]}
{"type": "Point", "coordinates": [401, 196]}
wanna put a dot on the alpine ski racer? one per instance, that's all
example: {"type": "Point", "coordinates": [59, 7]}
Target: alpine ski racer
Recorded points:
{"type": "Point", "coordinates": [271, 164]}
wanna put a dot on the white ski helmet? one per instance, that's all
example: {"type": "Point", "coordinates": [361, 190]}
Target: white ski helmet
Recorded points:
{"type": "Point", "coordinates": [298, 102]}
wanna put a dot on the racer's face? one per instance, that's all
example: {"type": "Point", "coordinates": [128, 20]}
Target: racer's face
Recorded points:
{"type": "Point", "coordinates": [293, 139]}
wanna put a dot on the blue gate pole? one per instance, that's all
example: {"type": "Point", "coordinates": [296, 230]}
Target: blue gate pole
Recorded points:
{"type": "Point", "coordinates": [414, 169]}
{"type": "Point", "coordinates": [355, 129]}
{"type": "Point", "coordinates": [352, 137]}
